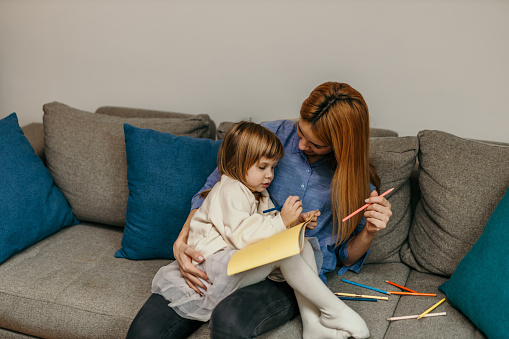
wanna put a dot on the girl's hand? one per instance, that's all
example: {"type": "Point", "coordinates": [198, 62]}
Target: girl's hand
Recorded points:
{"type": "Point", "coordinates": [313, 222]}
{"type": "Point", "coordinates": [377, 214]}
{"type": "Point", "coordinates": [291, 210]}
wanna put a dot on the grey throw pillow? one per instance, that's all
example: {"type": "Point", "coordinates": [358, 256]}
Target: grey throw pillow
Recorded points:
{"type": "Point", "coordinates": [461, 183]}
{"type": "Point", "coordinates": [394, 159]}
{"type": "Point", "coordinates": [85, 153]}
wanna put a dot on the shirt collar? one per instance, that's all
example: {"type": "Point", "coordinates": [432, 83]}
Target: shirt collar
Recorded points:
{"type": "Point", "coordinates": [295, 141]}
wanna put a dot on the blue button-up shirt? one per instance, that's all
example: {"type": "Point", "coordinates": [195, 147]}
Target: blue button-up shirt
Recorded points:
{"type": "Point", "coordinates": [294, 175]}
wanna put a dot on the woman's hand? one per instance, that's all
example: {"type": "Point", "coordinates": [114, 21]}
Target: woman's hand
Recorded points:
{"type": "Point", "coordinates": [313, 222]}
{"type": "Point", "coordinates": [377, 214]}
{"type": "Point", "coordinates": [291, 210]}
{"type": "Point", "coordinates": [184, 254]}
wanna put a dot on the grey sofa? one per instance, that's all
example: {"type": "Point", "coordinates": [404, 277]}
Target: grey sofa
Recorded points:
{"type": "Point", "coordinates": [70, 285]}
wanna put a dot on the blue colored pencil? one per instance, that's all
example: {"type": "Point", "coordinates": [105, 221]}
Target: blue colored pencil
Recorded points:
{"type": "Point", "coordinates": [278, 208]}
{"type": "Point", "coordinates": [358, 299]}
{"type": "Point", "coordinates": [368, 287]}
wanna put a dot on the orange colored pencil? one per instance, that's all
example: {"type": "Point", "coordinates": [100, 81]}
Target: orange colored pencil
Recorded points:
{"type": "Point", "coordinates": [402, 287]}
{"type": "Point", "coordinates": [412, 293]}
{"type": "Point", "coordinates": [363, 207]}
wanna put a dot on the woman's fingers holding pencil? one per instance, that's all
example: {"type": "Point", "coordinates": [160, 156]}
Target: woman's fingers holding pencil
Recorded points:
{"type": "Point", "coordinates": [377, 214]}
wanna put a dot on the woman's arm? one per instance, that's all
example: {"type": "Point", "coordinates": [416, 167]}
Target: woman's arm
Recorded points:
{"type": "Point", "coordinates": [377, 216]}
{"type": "Point", "coordinates": [184, 254]}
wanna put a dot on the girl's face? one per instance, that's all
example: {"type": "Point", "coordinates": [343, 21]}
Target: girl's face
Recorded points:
{"type": "Point", "coordinates": [259, 176]}
{"type": "Point", "coordinates": [308, 143]}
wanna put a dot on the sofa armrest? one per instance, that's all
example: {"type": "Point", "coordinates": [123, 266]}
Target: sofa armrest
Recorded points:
{"type": "Point", "coordinates": [146, 113]}
{"type": "Point", "coordinates": [34, 132]}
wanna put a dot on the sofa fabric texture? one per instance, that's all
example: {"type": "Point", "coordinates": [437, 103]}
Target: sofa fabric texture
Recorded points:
{"type": "Point", "coordinates": [85, 154]}
{"type": "Point", "coordinates": [71, 285]}
{"type": "Point", "coordinates": [453, 209]}
{"type": "Point", "coordinates": [394, 159]}
{"type": "Point", "coordinates": [206, 130]}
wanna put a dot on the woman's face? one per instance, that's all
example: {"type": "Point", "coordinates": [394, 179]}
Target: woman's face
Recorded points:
{"type": "Point", "coordinates": [308, 143]}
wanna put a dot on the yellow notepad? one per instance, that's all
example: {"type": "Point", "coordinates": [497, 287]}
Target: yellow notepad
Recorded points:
{"type": "Point", "coordinates": [282, 245]}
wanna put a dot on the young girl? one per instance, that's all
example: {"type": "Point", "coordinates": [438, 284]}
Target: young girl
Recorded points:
{"type": "Point", "coordinates": [231, 218]}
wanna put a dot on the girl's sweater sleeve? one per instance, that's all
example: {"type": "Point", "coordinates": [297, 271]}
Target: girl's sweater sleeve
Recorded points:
{"type": "Point", "coordinates": [235, 211]}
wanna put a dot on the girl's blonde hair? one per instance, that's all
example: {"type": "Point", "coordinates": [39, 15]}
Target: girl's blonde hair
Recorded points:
{"type": "Point", "coordinates": [339, 117]}
{"type": "Point", "coordinates": [243, 146]}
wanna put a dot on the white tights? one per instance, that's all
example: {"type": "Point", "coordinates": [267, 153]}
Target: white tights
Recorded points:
{"type": "Point", "coordinates": [323, 314]}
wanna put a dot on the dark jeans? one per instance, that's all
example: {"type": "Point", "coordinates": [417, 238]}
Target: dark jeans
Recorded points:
{"type": "Point", "coordinates": [246, 313]}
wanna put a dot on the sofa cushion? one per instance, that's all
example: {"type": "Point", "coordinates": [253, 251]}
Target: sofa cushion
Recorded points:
{"type": "Point", "coordinates": [461, 182]}
{"type": "Point", "coordinates": [35, 135]}
{"type": "Point", "coordinates": [478, 286]}
{"type": "Point", "coordinates": [71, 286]}
{"type": "Point", "coordinates": [31, 206]}
{"type": "Point", "coordinates": [163, 172]}
{"type": "Point", "coordinates": [85, 153]}
{"type": "Point", "coordinates": [129, 112]}
{"type": "Point", "coordinates": [394, 159]}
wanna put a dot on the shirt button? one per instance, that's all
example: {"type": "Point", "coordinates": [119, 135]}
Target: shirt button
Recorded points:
{"type": "Point", "coordinates": [307, 171]}
{"type": "Point", "coordinates": [302, 186]}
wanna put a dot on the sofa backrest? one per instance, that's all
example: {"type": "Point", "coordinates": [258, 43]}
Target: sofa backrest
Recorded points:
{"type": "Point", "coordinates": [128, 112]}
{"type": "Point", "coordinates": [85, 153]}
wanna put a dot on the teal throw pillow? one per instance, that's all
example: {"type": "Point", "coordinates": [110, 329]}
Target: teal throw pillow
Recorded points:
{"type": "Point", "coordinates": [479, 285]}
{"type": "Point", "coordinates": [31, 206]}
{"type": "Point", "coordinates": [163, 173]}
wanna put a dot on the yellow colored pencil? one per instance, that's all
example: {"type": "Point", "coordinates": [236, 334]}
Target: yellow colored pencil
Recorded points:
{"type": "Point", "coordinates": [430, 309]}
{"type": "Point", "coordinates": [360, 296]}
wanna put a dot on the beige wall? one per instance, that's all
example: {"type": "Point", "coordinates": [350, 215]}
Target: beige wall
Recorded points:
{"type": "Point", "coordinates": [419, 64]}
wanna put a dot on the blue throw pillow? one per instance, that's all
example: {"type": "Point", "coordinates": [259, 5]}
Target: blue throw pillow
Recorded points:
{"type": "Point", "coordinates": [31, 206]}
{"type": "Point", "coordinates": [163, 173]}
{"type": "Point", "coordinates": [479, 285]}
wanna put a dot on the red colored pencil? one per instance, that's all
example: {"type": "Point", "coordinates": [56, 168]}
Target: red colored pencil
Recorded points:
{"type": "Point", "coordinates": [402, 287]}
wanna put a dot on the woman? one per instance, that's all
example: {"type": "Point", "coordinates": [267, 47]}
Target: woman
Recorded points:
{"type": "Point", "coordinates": [326, 164]}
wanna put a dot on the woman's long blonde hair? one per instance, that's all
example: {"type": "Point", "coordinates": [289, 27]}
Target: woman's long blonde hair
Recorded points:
{"type": "Point", "coordinates": [244, 145]}
{"type": "Point", "coordinates": [339, 117]}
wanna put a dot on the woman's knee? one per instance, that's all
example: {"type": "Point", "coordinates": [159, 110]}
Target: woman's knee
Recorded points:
{"type": "Point", "coordinates": [253, 310]}
{"type": "Point", "coordinates": [156, 320]}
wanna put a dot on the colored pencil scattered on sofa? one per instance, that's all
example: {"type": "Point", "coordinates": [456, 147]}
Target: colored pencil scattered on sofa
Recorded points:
{"type": "Point", "coordinates": [399, 286]}
{"type": "Point", "coordinates": [358, 299]}
{"type": "Point", "coordinates": [416, 316]}
{"type": "Point", "coordinates": [359, 296]}
{"type": "Point", "coordinates": [411, 293]}
{"type": "Point", "coordinates": [361, 285]}
{"type": "Point", "coordinates": [430, 309]}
